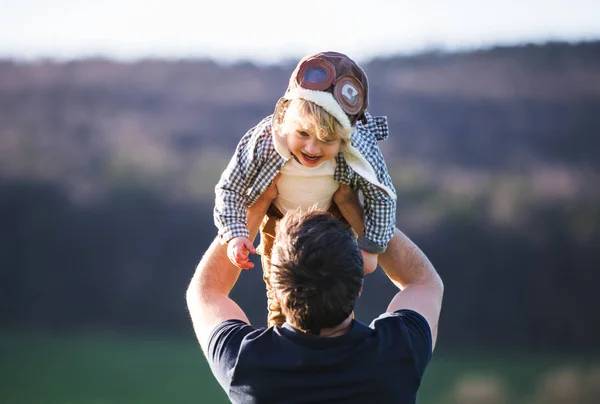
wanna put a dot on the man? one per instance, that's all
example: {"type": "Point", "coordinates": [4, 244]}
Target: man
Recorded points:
{"type": "Point", "coordinates": [321, 354]}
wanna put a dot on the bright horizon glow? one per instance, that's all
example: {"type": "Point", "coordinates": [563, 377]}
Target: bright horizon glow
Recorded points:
{"type": "Point", "coordinates": [266, 31]}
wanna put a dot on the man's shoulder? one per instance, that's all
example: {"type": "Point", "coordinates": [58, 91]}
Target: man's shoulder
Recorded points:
{"type": "Point", "coordinates": [405, 325]}
{"type": "Point", "coordinates": [405, 317]}
{"type": "Point", "coordinates": [409, 329]}
{"type": "Point", "coordinates": [231, 331]}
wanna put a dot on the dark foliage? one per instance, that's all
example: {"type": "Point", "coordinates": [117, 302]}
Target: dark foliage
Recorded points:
{"type": "Point", "coordinates": [107, 169]}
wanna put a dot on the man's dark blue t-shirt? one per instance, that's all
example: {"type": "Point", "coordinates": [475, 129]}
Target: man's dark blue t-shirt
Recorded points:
{"type": "Point", "coordinates": [380, 363]}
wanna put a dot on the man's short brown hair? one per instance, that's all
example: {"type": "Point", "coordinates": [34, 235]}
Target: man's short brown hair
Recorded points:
{"type": "Point", "coordinates": [316, 269]}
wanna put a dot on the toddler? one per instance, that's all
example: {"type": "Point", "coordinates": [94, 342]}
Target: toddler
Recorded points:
{"type": "Point", "coordinates": [319, 136]}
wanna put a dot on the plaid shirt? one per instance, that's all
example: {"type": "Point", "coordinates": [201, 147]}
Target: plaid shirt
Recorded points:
{"type": "Point", "coordinates": [255, 164]}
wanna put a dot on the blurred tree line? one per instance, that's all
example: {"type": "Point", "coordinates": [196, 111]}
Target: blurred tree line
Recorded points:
{"type": "Point", "coordinates": [107, 171]}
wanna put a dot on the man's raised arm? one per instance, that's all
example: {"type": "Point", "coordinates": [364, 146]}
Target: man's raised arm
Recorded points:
{"type": "Point", "coordinates": [208, 292]}
{"type": "Point", "coordinates": [421, 288]}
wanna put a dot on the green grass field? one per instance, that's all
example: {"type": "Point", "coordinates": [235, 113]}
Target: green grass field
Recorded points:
{"type": "Point", "coordinates": [70, 369]}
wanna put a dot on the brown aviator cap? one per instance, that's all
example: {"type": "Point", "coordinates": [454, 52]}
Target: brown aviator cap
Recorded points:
{"type": "Point", "coordinates": [333, 73]}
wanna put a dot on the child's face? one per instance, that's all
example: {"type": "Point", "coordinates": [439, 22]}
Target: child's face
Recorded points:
{"type": "Point", "coordinates": [308, 149]}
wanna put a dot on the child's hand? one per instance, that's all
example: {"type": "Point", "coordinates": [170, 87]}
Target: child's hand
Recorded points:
{"type": "Point", "coordinates": [238, 249]}
{"type": "Point", "coordinates": [369, 261]}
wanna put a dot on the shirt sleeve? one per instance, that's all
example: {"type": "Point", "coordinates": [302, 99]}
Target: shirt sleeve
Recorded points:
{"type": "Point", "coordinates": [420, 338]}
{"type": "Point", "coordinates": [380, 207]}
{"type": "Point", "coordinates": [231, 199]}
{"type": "Point", "coordinates": [380, 217]}
{"type": "Point", "coordinates": [417, 335]}
{"type": "Point", "coordinates": [223, 349]}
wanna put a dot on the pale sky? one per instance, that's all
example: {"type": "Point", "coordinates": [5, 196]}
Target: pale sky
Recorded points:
{"type": "Point", "coordinates": [271, 30]}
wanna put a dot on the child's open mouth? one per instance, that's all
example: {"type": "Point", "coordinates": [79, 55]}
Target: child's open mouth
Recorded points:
{"type": "Point", "coordinates": [310, 158]}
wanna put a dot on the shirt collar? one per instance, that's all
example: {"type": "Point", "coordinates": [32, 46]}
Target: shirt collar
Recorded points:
{"type": "Point", "coordinates": [281, 146]}
{"type": "Point", "coordinates": [357, 331]}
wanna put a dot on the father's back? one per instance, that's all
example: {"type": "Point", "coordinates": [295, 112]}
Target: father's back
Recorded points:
{"type": "Point", "coordinates": [381, 363]}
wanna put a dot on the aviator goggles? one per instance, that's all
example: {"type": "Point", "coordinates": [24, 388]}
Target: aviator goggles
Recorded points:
{"type": "Point", "coordinates": [320, 74]}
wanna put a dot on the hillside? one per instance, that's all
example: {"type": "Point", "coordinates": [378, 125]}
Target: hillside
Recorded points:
{"type": "Point", "coordinates": [107, 171]}
{"type": "Point", "coordinates": [529, 109]}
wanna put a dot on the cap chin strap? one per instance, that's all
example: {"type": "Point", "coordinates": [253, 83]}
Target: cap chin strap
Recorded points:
{"type": "Point", "coordinates": [326, 101]}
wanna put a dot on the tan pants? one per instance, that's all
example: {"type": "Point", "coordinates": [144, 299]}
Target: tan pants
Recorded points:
{"type": "Point", "coordinates": [267, 237]}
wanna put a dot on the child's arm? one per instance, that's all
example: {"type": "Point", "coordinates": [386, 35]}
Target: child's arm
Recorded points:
{"type": "Point", "coordinates": [231, 192]}
{"type": "Point", "coordinates": [379, 217]}
{"type": "Point", "coordinates": [239, 248]}
{"type": "Point", "coordinates": [379, 203]}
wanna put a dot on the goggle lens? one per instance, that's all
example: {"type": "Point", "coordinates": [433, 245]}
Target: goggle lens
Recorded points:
{"type": "Point", "coordinates": [315, 75]}
{"type": "Point", "coordinates": [319, 75]}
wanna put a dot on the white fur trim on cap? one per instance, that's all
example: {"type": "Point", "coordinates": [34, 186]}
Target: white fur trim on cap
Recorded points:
{"type": "Point", "coordinates": [324, 100]}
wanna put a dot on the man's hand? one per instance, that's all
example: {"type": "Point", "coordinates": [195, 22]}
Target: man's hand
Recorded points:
{"type": "Point", "coordinates": [349, 204]}
{"type": "Point", "coordinates": [345, 195]}
{"type": "Point", "coordinates": [369, 261]}
{"type": "Point", "coordinates": [238, 249]}
{"type": "Point", "coordinates": [271, 193]}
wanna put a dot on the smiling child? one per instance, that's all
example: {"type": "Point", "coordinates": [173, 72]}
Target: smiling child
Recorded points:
{"type": "Point", "coordinates": [320, 136]}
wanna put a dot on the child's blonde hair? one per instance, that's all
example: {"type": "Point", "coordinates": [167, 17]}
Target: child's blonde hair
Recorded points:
{"type": "Point", "coordinates": [314, 119]}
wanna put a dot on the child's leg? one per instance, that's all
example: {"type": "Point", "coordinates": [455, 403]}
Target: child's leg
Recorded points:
{"type": "Point", "coordinates": [267, 237]}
